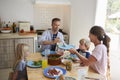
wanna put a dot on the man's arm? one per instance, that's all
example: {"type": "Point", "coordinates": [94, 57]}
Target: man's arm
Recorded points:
{"type": "Point", "coordinates": [56, 40]}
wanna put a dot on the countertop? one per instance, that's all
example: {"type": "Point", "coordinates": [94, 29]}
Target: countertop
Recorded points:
{"type": "Point", "coordinates": [16, 35]}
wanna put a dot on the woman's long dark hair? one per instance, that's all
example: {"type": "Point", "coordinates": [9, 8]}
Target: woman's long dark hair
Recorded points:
{"type": "Point", "coordinates": [101, 35]}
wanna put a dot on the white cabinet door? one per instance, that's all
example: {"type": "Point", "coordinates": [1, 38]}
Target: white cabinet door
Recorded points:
{"type": "Point", "coordinates": [29, 41]}
{"type": "Point", "coordinates": [6, 53]}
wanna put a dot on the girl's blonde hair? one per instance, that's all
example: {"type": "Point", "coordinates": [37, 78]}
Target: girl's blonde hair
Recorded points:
{"type": "Point", "coordinates": [19, 55]}
{"type": "Point", "coordinates": [86, 42]}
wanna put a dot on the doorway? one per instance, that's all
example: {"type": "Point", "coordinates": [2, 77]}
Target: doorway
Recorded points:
{"type": "Point", "coordinates": [108, 16]}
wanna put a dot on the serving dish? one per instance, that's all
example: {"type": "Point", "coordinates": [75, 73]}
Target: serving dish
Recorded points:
{"type": "Point", "coordinates": [5, 31]}
{"type": "Point", "coordinates": [65, 47]}
{"type": "Point", "coordinates": [51, 52]}
{"type": "Point", "coordinates": [54, 59]}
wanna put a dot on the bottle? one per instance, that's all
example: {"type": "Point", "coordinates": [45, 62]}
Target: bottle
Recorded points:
{"type": "Point", "coordinates": [14, 27]}
{"type": "Point", "coordinates": [9, 25]}
{"type": "Point", "coordinates": [4, 25]}
{"type": "Point", "coordinates": [17, 29]}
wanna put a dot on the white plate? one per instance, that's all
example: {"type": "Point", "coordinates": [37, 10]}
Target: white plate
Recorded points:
{"type": "Point", "coordinates": [66, 47]}
{"type": "Point", "coordinates": [5, 31]}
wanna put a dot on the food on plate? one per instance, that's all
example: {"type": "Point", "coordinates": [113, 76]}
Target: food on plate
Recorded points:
{"type": "Point", "coordinates": [66, 54]}
{"type": "Point", "coordinates": [6, 28]}
{"type": "Point", "coordinates": [54, 59]}
{"type": "Point", "coordinates": [52, 72]}
{"type": "Point", "coordinates": [22, 31]}
{"type": "Point", "coordinates": [37, 63]}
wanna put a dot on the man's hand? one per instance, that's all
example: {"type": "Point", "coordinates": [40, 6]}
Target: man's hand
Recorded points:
{"type": "Point", "coordinates": [56, 40]}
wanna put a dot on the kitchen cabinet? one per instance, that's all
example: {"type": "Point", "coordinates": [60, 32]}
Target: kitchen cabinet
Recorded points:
{"type": "Point", "coordinates": [29, 41]}
{"type": "Point", "coordinates": [6, 53]}
{"type": "Point", "coordinates": [8, 44]}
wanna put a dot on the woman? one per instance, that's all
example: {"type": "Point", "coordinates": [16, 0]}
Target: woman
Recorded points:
{"type": "Point", "coordinates": [99, 56]}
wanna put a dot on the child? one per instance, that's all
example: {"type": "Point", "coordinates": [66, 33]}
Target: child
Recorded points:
{"type": "Point", "coordinates": [84, 46]}
{"type": "Point", "coordinates": [98, 59]}
{"type": "Point", "coordinates": [22, 52]}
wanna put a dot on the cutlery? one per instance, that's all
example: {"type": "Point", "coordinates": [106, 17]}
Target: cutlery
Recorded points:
{"type": "Point", "coordinates": [92, 78]}
{"type": "Point", "coordinates": [64, 45]}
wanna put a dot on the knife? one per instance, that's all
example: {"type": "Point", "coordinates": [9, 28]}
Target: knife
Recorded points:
{"type": "Point", "coordinates": [92, 78]}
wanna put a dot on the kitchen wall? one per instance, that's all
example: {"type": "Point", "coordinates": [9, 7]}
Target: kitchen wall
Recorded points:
{"type": "Point", "coordinates": [44, 13]}
{"type": "Point", "coordinates": [77, 18]}
{"type": "Point", "coordinates": [82, 19]}
{"type": "Point", "coordinates": [39, 15]}
{"type": "Point", "coordinates": [16, 10]}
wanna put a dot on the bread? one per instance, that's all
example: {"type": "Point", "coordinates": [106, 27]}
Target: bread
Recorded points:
{"type": "Point", "coordinates": [61, 77]}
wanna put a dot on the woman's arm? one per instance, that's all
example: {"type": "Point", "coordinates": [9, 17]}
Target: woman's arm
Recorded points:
{"type": "Point", "coordinates": [85, 61]}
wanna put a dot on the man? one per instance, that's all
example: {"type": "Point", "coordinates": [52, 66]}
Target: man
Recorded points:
{"type": "Point", "coordinates": [50, 38]}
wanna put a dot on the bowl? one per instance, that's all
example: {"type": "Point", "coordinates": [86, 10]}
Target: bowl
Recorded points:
{"type": "Point", "coordinates": [5, 31]}
{"type": "Point", "coordinates": [54, 59]}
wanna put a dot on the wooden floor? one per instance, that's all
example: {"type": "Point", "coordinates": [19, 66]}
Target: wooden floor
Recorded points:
{"type": "Point", "coordinates": [115, 66]}
{"type": "Point", "coordinates": [4, 73]}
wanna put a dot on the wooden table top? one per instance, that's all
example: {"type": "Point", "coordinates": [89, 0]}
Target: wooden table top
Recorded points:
{"type": "Point", "coordinates": [37, 73]}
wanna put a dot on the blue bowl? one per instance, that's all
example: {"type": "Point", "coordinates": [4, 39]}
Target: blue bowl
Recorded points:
{"type": "Point", "coordinates": [51, 52]}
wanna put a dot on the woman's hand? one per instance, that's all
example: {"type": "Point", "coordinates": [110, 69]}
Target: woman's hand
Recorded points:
{"type": "Point", "coordinates": [73, 51]}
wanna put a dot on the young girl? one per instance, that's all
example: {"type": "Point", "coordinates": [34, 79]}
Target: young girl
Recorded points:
{"type": "Point", "coordinates": [98, 59]}
{"type": "Point", "coordinates": [22, 52]}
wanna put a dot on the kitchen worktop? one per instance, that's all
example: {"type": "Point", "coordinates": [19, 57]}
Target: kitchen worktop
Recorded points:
{"type": "Point", "coordinates": [16, 35]}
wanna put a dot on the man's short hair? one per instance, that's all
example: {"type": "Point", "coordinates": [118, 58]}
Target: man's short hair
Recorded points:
{"type": "Point", "coordinates": [55, 19]}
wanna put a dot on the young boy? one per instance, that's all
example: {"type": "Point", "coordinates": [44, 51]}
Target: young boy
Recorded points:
{"type": "Point", "coordinates": [84, 46]}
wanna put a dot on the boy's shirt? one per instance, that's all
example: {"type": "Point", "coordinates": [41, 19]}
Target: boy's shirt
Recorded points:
{"type": "Point", "coordinates": [86, 54]}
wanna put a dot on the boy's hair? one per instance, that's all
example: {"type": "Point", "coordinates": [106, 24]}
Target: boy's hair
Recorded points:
{"type": "Point", "coordinates": [19, 55]}
{"type": "Point", "coordinates": [86, 42]}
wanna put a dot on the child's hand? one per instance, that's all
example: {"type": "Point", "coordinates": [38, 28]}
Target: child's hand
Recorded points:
{"type": "Point", "coordinates": [73, 51]}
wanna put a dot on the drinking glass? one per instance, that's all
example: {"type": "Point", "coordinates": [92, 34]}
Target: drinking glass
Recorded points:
{"type": "Point", "coordinates": [44, 62]}
{"type": "Point", "coordinates": [47, 52]}
{"type": "Point", "coordinates": [82, 72]}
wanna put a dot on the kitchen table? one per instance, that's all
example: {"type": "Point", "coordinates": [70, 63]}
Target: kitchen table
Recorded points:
{"type": "Point", "coordinates": [37, 73]}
